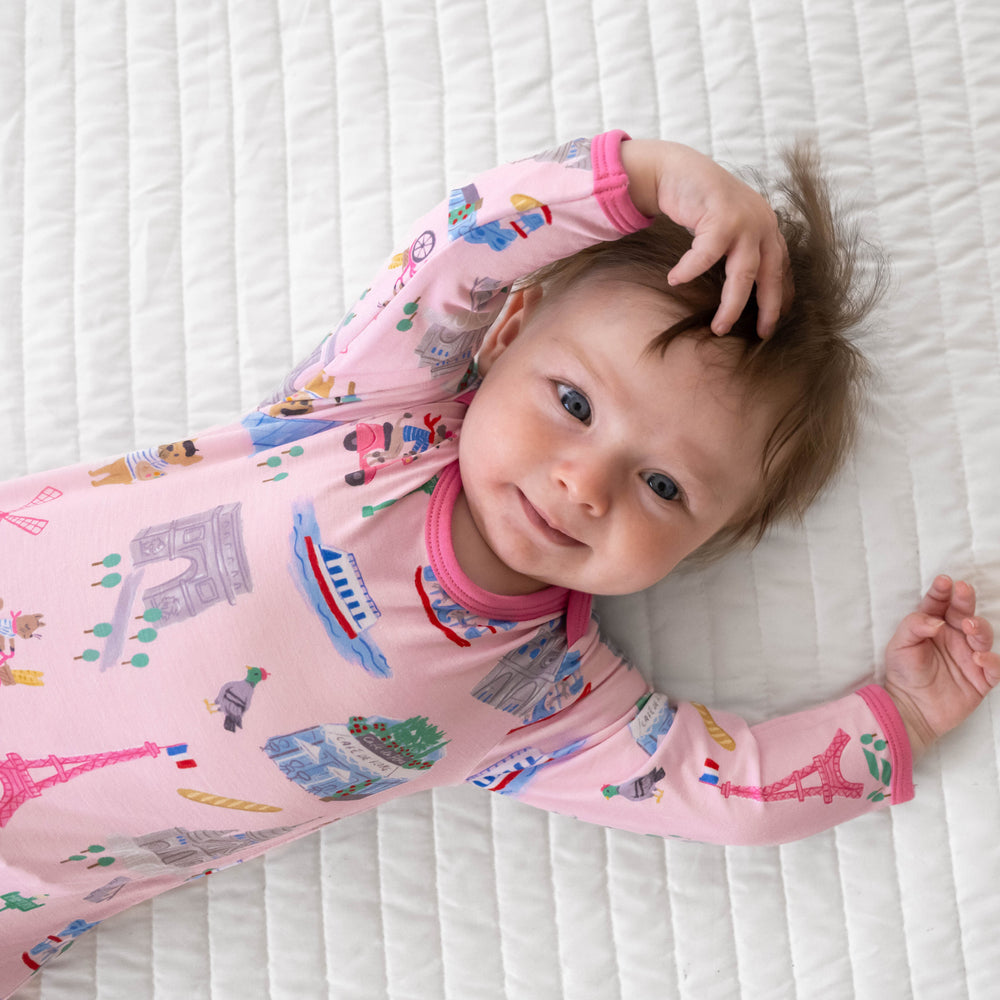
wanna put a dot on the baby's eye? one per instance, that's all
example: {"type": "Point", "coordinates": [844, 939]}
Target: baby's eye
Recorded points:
{"type": "Point", "coordinates": [663, 486]}
{"type": "Point", "coordinates": [574, 402]}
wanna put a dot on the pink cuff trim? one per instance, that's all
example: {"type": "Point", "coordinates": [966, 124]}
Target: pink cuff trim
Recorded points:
{"type": "Point", "coordinates": [611, 183]}
{"type": "Point", "coordinates": [891, 722]}
{"type": "Point", "coordinates": [549, 602]}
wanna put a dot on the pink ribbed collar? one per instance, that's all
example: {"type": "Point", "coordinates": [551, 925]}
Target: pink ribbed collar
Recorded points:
{"type": "Point", "coordinates": [503, 607]}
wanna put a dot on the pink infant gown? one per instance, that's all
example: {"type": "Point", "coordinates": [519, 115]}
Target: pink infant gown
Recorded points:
{"type": "Point", "coordinates": [216, 646]}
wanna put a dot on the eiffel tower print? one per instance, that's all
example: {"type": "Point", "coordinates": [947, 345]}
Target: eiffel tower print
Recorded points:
{"type": "Point", "coordinates": [826, 768]}
{"type": "Point", "coordinates": [19, 784]}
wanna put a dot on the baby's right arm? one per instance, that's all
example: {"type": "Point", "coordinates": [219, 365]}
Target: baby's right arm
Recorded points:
{"type": "Point", "coordinates": [412, 334]}
{"type": "Point", "coordinates": [727, 217]}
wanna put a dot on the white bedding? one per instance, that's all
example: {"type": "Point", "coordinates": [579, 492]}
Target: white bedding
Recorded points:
{"type": "Point", "coordinates": [191, 191]}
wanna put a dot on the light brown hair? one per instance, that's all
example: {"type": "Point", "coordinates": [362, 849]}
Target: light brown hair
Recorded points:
{"type": "Point", "coordinates": [811, 360]}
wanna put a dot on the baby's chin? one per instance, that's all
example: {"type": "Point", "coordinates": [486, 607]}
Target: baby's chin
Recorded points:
{"type": "Point", "coordinates": [619, 588]}
{"type": "Point", "coordinates": [599, 588]}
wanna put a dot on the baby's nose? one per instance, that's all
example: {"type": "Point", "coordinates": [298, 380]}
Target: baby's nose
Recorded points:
{"type": "Point", "coordinates": [586, 483]}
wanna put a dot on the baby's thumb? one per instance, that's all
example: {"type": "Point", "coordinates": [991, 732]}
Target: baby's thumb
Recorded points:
{"type": "Point", "coordinates": [914, 629]}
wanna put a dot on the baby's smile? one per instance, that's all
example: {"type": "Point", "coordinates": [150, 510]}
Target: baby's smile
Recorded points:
{"type": "Point", "coordinates": [546, 526]}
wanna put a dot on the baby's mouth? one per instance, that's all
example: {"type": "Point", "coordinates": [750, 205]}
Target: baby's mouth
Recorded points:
{"type": "Point", "coordinates": [545, 527]}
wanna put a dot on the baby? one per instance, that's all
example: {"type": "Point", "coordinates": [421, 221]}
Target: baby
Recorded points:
{"type": "Point", "coordinates": [386, 586]}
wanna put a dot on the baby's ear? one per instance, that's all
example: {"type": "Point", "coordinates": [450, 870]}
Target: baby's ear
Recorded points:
{"type": "Point", "coordinates": [508, 325]}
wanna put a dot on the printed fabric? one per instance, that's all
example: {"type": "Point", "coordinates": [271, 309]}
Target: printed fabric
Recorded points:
{"type": "Point", "coordinates": [218, 645]}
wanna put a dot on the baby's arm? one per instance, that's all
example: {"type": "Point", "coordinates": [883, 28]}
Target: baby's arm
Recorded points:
{"type": "Point", "coordinates": [684, 770]}
{"type": "Point", "coordinates": [727, 217]}
{"type": "Point", "coordinates": [939, 664]}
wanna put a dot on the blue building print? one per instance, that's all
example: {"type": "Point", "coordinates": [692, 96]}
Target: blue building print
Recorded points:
{"type": "Point", "coordinates": [340, 762]}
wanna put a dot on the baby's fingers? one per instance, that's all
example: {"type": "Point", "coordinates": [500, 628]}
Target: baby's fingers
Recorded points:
{"type": "Point", "coordinates": [989, 663]}
{"type": "Point", "coordinates": [775, 288]}
{"type": "Point", "coordinates": [963, 603]}
{"type": "Point", "coordinates": [979, 633]}
{"type": "Point", "coordinates": [741, 272]}
{"type": "Point", "coordinates": [951, 601]}
{"type": "Point", "coordinates": [705, 251]}
{"type": "Point", "coordinates": [938, 597]}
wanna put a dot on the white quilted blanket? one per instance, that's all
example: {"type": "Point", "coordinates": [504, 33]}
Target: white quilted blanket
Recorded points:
{"type": "Point", "coordinates": [189, 193]}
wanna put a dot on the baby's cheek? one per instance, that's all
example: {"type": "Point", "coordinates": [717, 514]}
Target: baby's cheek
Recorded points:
{"type": "Point", "coordinates": [653, 557]}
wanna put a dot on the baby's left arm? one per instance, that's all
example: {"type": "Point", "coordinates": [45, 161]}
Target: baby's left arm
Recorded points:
{"type": "Point", "coordinates": [939, 663]}
{"type": "Point", "coordinates": [709, 775]}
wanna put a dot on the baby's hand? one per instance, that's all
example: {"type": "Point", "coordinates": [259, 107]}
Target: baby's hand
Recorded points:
{"type": "Point", "coordinates": [728, 218]}
{"type": "Point", "coordinates": [938, 664]}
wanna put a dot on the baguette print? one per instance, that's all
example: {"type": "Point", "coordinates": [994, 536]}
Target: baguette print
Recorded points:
{"type": "Point", "coordinates": [714, 729]}
{"type": "Point", "coordinates": [220, 800]}
{"type": "Point", "coordinates": [30, 677]}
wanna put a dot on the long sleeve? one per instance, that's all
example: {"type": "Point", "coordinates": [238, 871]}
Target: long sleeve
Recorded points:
{"type": "Point", "coordinates": [637, 762]}
{"type": "Point", "coordinates": [412, 335]}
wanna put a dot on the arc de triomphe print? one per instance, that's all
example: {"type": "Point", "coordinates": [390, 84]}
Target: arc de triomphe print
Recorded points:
{"type": "Point", "coordinates": [217, 569]}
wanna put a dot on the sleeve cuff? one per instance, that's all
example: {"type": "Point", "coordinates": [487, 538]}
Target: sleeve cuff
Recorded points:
{"type": "Point", "coordinates": [611, 183]}
{"type": "Point", "coordinates": [891, 722]}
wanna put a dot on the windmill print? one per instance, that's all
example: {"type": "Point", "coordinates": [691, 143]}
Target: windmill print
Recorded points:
{"type": "Point", "coordinates": [32, 525]}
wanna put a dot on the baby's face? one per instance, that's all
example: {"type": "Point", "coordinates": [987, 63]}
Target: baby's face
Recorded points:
{"type": "Point", "coordinates": [589, 464]}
